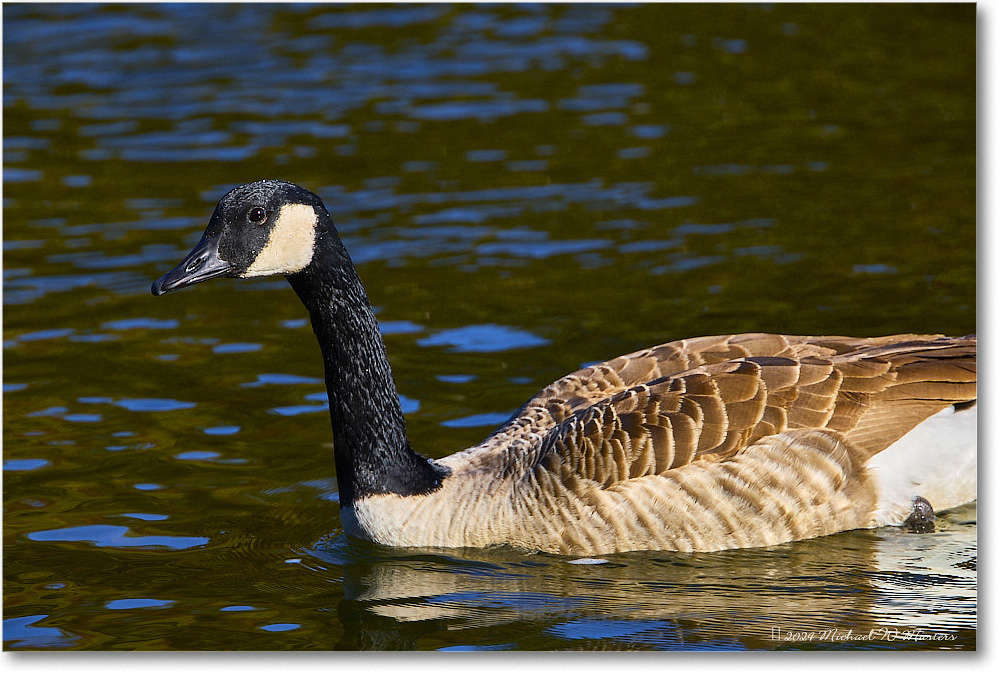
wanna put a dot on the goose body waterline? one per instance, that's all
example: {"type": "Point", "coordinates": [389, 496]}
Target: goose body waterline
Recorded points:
{"type": "Point", "coordinates": [695, 445]}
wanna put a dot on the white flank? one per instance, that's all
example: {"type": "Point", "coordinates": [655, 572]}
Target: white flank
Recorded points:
{"type": "Point", "coordinates": [936, 461]}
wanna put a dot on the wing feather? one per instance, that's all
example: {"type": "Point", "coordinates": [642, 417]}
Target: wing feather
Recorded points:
{"type": "Point", "coordinates": [727, 393]}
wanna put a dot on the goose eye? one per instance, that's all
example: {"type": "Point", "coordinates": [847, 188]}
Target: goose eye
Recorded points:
{"type": "Point", "coordinates": [257, 215]}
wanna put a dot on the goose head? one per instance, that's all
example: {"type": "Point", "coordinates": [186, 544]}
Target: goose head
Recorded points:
{"type": "Point", "coordinates": [257, 229]}
{"type": "Point", "coordinates": [271, 227]}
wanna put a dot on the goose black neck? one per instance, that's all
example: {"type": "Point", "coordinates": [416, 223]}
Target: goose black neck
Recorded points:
{"type": "Point", "coordinates": [372, 452]}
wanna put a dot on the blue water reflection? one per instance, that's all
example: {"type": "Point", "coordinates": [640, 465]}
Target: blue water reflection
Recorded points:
{"type": "Point", "coordinates": [21, 632]}
{"type": "Point", "coordinates": [478, 420]}
{"type": "Point", "coordinates": [24, 464]}
{"type": "Point", "coordinates": [483, 338]}
{"type": "Point", "coordinates": [116, 536]}
{"type": "Point", "coordinates": [138, 603]}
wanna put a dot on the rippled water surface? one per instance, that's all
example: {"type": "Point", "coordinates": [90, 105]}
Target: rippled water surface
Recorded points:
{"type": "Point", "coordinates": [525, 189]}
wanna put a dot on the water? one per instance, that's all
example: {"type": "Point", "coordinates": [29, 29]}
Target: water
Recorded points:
{"type": "Point", "coordinates": [525, 189]}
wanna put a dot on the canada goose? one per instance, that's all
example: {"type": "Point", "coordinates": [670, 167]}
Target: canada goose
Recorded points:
{"type": "Point", "coordinates": [695, 445]}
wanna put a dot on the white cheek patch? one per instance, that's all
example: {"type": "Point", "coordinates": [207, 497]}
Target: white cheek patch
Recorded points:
{"type": "Point", "coordinates": [290, 246]}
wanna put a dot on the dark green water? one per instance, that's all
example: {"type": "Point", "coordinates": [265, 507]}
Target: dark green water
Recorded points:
{"type": "Point", "coordinates": [525, 189]}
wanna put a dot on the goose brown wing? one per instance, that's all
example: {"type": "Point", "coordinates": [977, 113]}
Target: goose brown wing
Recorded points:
{"type": "Point", "coordinates": [599, 382]}
{"type": "Point", "coordinates": [594, 384]}
{"type": "Point", "coordinates": [872, 391]}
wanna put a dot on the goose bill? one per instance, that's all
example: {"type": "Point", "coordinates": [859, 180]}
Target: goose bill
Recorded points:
{"type": "Point", "coordinates": [201, 264]}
